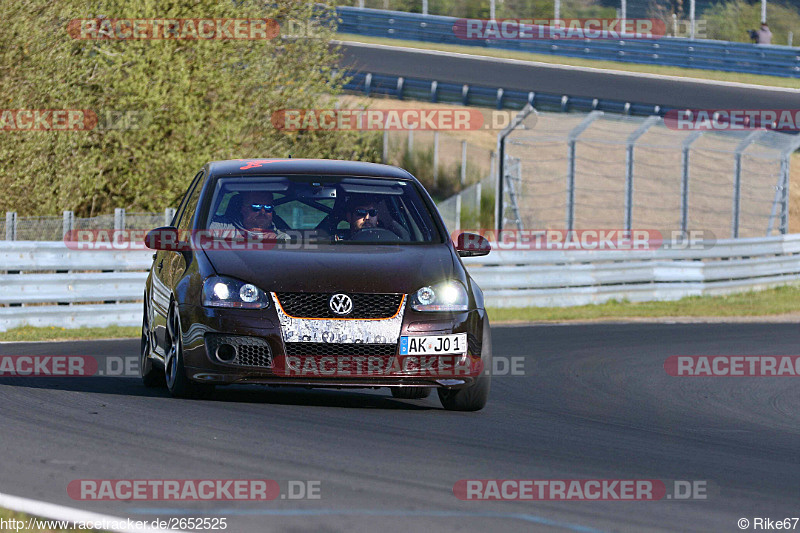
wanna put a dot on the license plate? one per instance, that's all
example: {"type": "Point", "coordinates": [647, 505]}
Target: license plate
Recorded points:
{"type": "Point", "coordinates": [434, 344]}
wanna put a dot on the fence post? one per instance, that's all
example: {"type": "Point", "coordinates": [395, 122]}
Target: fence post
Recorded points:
{"type": "Point", "coordinates": [778, 198]}
{"type": "Point", "coordinates": [11, 225]}
{"type": "Point", "coordinates": [463, 162]}
{"type": "Point", "coordinates": [435, 157]}
{"type": "Point", "coordinates": [169, 214]}
{"type": "Point", "coordinates": [410, 141]}
{"type": "Point", "coordinates": [784, 229]}
{"type": "Point", "coordinates": [737, 180]}
{"type": "Point", "coordinates": [478, 201]}
{"type": "Point", "coordinates": [572, 140]}
{"type": "Point", "coordinates": [119, 218]}
{"type": "Point", "coordinates": [501, 155]}
{"type": "Point", "coordinates": [685, 147]}
{"type": "Point", "coordinates": [68, 223]}
{"type": "Point", "coordinates": [458, 212]}
{"type": "Point", "coordinates": [632, 138]}
{"type": "Point", "coordinates": [385, 153]}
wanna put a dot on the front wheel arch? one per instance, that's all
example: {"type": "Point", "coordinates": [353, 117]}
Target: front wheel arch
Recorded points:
{"type": "Point", "coordinates": [178, 383]}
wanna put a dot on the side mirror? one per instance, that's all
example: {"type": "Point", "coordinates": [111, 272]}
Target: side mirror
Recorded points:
{"type": "Point", "coordinates": [472, 245]}
{"type": "Point", "coordinates": [165, 238]}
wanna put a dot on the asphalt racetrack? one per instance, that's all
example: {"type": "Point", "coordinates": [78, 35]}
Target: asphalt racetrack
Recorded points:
{"type": "Point", "coordinates": [575, 81]}
{"type": "Point", "coordinates": [594, 402]}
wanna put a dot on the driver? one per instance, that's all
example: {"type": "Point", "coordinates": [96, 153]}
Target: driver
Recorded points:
{"type": "Point", "coordinates": [361, 213]}
{"type": "Point", "coordinates": [255, 211]}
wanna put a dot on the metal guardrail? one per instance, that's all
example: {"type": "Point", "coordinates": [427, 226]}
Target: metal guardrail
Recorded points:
{"type": "Point", "coordinates": [476, 95]}
{"type": "Point", "coordinates": [509, 278]}
{"type": "Point", "coordinates": [48, 284]}
{"type": "Point", "coordinates": [727, 56]}
{"type": "Point", "coordinates": [579, 277]}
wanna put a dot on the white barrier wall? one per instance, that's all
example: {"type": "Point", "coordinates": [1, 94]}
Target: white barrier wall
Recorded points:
{"type": "Point", "coordinates": [47, 284]}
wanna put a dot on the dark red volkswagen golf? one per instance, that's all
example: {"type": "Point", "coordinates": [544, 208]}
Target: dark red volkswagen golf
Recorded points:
{"type": "Point", "coordinates": [314, 273]}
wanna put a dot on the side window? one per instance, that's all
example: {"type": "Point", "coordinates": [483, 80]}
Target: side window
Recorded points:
{"type": "Point", "coordinates": [182, 205]}
{"type": "Point", "coordinates": [189, 208]}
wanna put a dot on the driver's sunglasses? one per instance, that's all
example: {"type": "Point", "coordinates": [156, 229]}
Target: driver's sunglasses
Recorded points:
{"type": "Point", "coordinates": [361, 213]}
{"type": "Point", "coordinates": [266, 207]}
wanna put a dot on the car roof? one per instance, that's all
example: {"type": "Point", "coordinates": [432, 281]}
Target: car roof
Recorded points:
{"type": "Point", "coordinates": [331, 167]}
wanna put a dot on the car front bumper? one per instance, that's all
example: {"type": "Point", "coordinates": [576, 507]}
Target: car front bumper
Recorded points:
{"type": "Point", "coordinates": [337, 369]}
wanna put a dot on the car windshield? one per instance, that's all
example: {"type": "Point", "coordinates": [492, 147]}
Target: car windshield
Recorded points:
{"type": "Point", "coordinates": [330, 209]}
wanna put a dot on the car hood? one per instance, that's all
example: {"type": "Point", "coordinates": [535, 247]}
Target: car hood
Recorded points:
{"type": "Point", "coordinates": [339, 268]}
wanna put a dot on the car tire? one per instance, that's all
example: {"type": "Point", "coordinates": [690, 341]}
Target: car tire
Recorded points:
{"type": "Point", "coordinates": [411, 393]}
{"type": "Point", "coordinates": [152, 375]}
{"type": "Point", "coordinates": [475, 396]}
{"type": "Point", "coordinates": [178, 384]}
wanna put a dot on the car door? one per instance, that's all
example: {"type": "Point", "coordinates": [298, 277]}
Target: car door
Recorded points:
{"type": "Point", "coordinates": [166, 263]}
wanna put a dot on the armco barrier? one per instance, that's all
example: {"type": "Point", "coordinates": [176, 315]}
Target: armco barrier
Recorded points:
{"type": "Point", "coordinates": [728, 56]}
{"type": "Point", "coordinates": [508, 278]}
{"type": "Point", "coordinates": [475, 95]}
{"type": "Point", "coordinates": [579, 277]}
{"type": "Point", "coordinates": [70, 288]}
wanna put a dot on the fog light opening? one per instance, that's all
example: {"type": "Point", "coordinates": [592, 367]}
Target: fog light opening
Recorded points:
{"type": "Point", "coordinates": [226, 352]}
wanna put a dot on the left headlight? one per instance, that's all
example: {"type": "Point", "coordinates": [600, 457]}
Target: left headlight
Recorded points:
{"type": "Point", "coordinates": [445, 296]}
{"type": "Point", "coordinates": [228, 292]}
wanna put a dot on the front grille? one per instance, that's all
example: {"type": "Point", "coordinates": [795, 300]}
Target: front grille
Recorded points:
{"type": "Point", "coordinates": [339, 349]}
{"type": "Point", "coordinates": [250, 351]}
{"type": "Point", "coordinates": [316, 305]}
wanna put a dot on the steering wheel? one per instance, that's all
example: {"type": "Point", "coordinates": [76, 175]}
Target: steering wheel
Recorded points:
{"type": "Point", "coordinates": [376, 234]}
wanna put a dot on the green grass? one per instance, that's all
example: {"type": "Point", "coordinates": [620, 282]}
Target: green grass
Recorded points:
{"type": "Point", "coordinates": [755, 79]}
{"type": "Point", "coordinates": [30, 333]}
{"type": "Point", "coordinates": [6, 515]}
{"type": "Point", "coordinates": [777, 301]}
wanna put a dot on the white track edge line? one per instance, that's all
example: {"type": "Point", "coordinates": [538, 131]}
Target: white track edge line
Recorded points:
{"type": "Point", "coordinates": [52, 511]}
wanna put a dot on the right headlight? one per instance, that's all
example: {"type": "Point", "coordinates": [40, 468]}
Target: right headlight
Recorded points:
{"type": "Point", "coordinates": [445, 296]}
{"type": "Point", "coordinates": [220, 291]}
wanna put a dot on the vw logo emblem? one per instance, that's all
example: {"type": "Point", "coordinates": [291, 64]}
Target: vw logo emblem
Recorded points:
{"type": "Point", "coordinates": [341, 304]}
